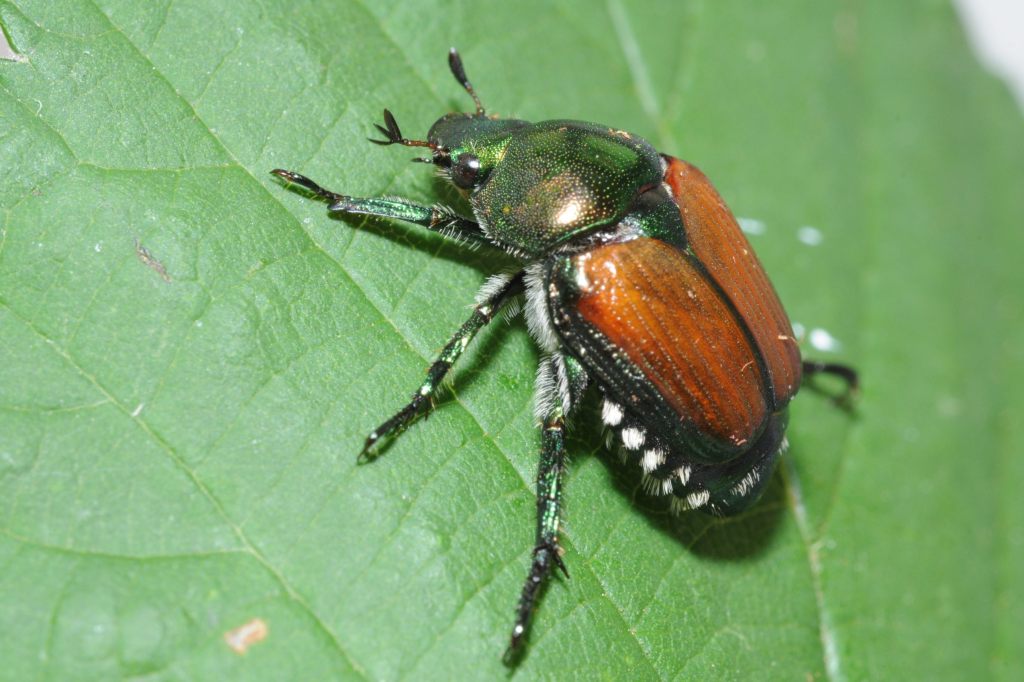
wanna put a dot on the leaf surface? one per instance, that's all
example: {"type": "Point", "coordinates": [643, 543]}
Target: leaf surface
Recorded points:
{"type": "Point", "coordinates": [191, 354]}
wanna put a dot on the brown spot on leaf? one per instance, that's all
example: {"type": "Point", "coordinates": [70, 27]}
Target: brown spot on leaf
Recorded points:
{"type": "Point", "coordinates": [150, 261]}
{"type": "Point", "coordinates": [244, 636]}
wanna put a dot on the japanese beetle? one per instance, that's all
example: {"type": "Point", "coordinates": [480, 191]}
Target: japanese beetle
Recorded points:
{"type": "Point", "coordinates": [637, 278]}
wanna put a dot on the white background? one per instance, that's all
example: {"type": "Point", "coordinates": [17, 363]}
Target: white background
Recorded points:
{"type": "Point", "coordinates": [996, 31]}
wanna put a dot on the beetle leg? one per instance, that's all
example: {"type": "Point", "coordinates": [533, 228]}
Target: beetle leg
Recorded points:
{"type": "Point", "coordinates": [845, 372]}
{"type": "Point", "coordinates": [435, 218]}
{"type": "Point", "coordinates": [546, 553]}
{"type": "Point", "coordinates": [492, 296]}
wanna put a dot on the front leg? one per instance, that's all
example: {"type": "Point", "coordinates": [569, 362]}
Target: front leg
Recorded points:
{"type": "Point", "coordinates": [435, 218]}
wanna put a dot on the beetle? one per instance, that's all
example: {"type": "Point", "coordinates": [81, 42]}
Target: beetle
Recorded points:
{"type": "Point", "coordinates": [638, 279]}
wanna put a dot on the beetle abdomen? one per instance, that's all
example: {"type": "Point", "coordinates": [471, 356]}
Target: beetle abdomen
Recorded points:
{"type": "Point", "coordinates": [723, 489]}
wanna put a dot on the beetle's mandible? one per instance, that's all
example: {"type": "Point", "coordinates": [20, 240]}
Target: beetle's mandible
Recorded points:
{"type": "Point", "coordinates": [638, 279]}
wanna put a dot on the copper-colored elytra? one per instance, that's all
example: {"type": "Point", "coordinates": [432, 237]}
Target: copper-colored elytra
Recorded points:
{"type": "Point", "coordinates": [715, 237]}
{"type": "Point", "coordinates": [649, 300]}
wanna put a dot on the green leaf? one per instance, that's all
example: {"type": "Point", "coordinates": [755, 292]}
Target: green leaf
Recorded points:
{"type": "Point", "coordinates": [191, 354]}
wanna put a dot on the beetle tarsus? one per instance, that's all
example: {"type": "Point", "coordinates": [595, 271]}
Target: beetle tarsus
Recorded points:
{"type": "Point", "coordinates": [545, 555]}
{"type": "Point", "coordinates": [391, 427]}
{"type": "Point", "coordinates": [844, 372]}
{"type": "Point", "coordinates": [304, 182]}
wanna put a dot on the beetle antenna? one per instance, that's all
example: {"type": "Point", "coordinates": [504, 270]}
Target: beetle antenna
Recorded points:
{"type": "Point", "coordinates": [455, 63]}
{"type": "Point", "coordinates": [393, 135]}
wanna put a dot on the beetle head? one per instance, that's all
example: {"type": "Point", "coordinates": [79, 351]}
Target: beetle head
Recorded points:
{"type": "Point", "coordinates": [465, 146]}
{"type": "Point", "coordinates": [470, 146]}
{"type": "Point", "coordinates": [475, 142]}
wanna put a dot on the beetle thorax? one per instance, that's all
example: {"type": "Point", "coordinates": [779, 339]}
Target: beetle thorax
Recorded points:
{"type": "Point", "coordinates": [558, 180]}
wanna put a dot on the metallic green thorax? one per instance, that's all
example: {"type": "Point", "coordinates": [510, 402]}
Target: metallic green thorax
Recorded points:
{"type": "Point", "coordinates": [544, 184]}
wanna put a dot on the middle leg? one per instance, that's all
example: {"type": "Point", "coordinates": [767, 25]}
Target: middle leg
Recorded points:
{"type": "Point", "coordinates": [493, 295]}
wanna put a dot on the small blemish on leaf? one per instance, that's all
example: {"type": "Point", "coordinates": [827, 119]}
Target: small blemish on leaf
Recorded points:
{"type": "Point", "coordinates": [751, 225]}
{"type": "Point", "coordinates": [243, 637]}
{"type": "Point", "coordinates": [149, 260]}
{"type": "Point", "coordinates": [811, 236]}
{"type": "Point", "coordinates": [822, 340]}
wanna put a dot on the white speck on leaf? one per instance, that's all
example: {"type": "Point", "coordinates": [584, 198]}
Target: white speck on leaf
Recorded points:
{"type": "Point", "coordinates": [822, 340]}
{"type": "Point", "coordinates": [811, 236]}
{"type": "Point", "coordinates": [751, 225]}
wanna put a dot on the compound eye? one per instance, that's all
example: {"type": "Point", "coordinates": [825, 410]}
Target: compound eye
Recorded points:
{"type": "Point", "coordinates": [465, 171]}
